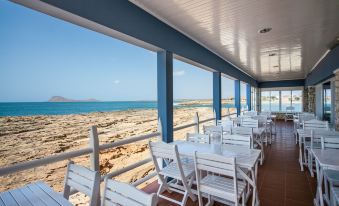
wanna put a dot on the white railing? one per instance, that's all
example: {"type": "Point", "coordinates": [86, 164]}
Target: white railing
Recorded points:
{"type": "Point", "coordinates": [94, 150]}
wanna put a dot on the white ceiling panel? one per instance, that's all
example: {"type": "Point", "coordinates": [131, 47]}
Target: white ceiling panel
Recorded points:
{"type": "Point", "coordinates": [301, 31]}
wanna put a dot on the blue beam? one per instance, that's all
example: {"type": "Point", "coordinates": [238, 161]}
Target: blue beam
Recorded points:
{"type": "Point", "coordinates": [127, 18]}
{"type": "Point", "coordinates": [237, 100]}
{"type": "Point", "coordinates": [248, 96]}
{"type": "Point", "coordinates": [284, 83]}
{"type": "Point", "coordinates": [165, 93]}
{"type": "Point", "coordinates": [217, 94]}
{"type": "Point", "coordinates": [324, 70]}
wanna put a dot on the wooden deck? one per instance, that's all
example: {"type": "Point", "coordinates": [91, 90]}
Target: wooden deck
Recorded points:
{"type": "Point", "coordinates": [280, 181]}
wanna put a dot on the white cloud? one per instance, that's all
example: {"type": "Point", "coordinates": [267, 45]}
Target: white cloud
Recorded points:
{"type": "Point", "coordinates": [116, 81]}
{"type": "Point", "coordinates": [179, 73]}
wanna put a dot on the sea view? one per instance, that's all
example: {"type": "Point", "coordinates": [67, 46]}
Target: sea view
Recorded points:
{"type": "Point", "coordinates": [63, 108]}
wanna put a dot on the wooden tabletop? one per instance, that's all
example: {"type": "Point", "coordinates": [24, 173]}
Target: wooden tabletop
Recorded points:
{"type": "Point", "coordinates": [327, 158]}
{"type": "Point", "coordinates": [34, 194]}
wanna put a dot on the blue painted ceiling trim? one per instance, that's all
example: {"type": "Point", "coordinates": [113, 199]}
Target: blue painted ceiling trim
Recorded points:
{"type": "Point", "coordinates": [284, 83]}
{"type": "Point", "coordinates": [324, 70]}
{"type": "Point", "coordinates": [127, 18]}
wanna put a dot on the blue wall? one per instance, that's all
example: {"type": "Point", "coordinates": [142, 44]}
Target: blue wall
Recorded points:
{"type": "Point", "coordinates": [324, 70]}
{"type": "Point", "coordinates": [284, 83]}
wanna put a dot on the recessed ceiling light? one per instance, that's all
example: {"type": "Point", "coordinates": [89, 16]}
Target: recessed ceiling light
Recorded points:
{"type": "Point", "coordinates": [338, 38]}
{"type": "Point", "coordinates": [264, 30]}
{"type": "Point", "coordinates": [272, 54]}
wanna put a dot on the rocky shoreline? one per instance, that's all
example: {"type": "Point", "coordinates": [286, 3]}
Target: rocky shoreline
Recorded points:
{"type": "Point", "coordinates": [26, 138]}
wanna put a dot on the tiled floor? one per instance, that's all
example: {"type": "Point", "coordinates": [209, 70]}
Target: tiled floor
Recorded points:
{"type": "Point", "coordinates": [280, 181]}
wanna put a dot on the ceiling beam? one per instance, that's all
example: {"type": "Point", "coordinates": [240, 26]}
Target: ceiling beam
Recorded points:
{"type": "Point", "coordinates": [283, 83]}
{"type": "Point", "coordinates": [325, 68]}
{"type": "Point", "coordinates": [125, 17]}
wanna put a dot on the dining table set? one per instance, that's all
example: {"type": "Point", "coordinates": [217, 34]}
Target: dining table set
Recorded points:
{"type": "Point", "coordinates": [319, 153]}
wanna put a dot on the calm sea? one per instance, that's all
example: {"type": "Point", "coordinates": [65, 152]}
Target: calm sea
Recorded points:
{"type": "Point", "coordinates": [60, 108]}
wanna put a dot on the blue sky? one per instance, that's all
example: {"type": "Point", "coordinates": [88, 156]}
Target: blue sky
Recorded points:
{"type": "Point", "coordinates": [41, 56]}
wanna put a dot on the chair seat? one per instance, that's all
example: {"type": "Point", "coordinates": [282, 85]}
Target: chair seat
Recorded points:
{"type": "Point", "coordinates": [220, 186]}
{"type": "Point", "coordinates": [172, 170]}
{"type": "Point", "coordinates": [332, 175]}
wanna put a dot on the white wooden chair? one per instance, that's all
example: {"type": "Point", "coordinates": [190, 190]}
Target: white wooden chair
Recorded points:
{"type": "Point", "coordinates": [331, 177]}
{"type": "Point", "coordinates": [182, 174]}
{"type": "Point", "coordinates": [238, 140]}
{"type": "Point", "coordinates": [118, 193]}
{"type": "Point", "coordinates": [257, 134]}
{"type": "Point", "coordinates": [251, 113]}
{"type": "Point", "coordinates": [198, 138]}
{"type": "Point", "coordinates": [315, 143]}
{"type": "Point", "coordinates": [305, 139]}
{"type": "Point", "coordinates": [220, 182]}
{"type": "Point", "coordinates": [83, 180]}
{"type": "Point", "coordinates": [289, 113]}
{"type": "Point", "coordinates": [298, 123]}
{"type": "Point", "coordinates": [226, 126]}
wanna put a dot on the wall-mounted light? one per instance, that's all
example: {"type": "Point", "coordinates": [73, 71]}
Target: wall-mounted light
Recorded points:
{"type": "Point", "coordinates": [264, 30]}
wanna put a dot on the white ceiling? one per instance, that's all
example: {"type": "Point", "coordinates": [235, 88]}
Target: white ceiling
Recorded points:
{"type": "Point", "coordinates": [302, 31]}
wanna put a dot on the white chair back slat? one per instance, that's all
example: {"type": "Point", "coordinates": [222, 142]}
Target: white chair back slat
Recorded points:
{"type": "Point", "coordinates": [330, 142]}
{"type": "Point", "coordinates": [226, 125]}
{"type": "Point", "coordinates": [244, 131]}
{"type": "Point", "coordinates": [315, 125]}
{"type": "Point", "coordinates": [249, 122]}
{"type": "Point", "coordinates": [83, 180]}
{"type": "Point", "coordinates": [251, 113]}
{"type": "Point", "coordinates": [237, 140]}
{"type": "Point", "coordinates": [216, 166]}
{"type": "Point", "coordinates": [198, 138]}
{"type": "Point", "coordinates": [118, 193]}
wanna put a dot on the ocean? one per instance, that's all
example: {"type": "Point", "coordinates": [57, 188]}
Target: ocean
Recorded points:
{"type": "Point", "coordinates": [62, 108]}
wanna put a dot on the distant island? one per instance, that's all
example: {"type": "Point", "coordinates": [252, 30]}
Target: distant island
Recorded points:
{"type": "Point", "coordinates": [63, 99]}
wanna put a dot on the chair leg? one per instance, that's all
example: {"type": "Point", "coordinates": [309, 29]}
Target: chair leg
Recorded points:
{"type": "Point", "coordinates": [301, 158]}
{"type": "Point", "coordinates": [243, 199]}
{"type": "Point", "coordinates": [200, 198]}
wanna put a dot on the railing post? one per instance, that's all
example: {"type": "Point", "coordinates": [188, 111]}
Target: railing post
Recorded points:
{"type": "Point", "coordinates": [196, 121]}
{"type": "Point", "coordinates": [159, 127]}
{"type": "Point", "coordinates": [94, 145]}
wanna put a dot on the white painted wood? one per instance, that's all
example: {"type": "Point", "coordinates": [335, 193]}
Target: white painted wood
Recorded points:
{"type": "Point", "coordinates": [8, 199]}
{"type": "Point", "coordinates": [173, 167]}
{"type": "Point", "coordinates": [221, 180]}
{"type": "Point", "coordinates": [226, 125]}
{"type": "Point", "coordinates": [94, 144]}
{"type": "Point", "coordinates": [75, 177]}
{"type": "Point", "coordinates": [198, 138]}
{"type": "Point", "coordinates": [19, 198]}
{"type": "Point", "coordinates": [330, 142]}
{"type": "Point", "coordinates": [37, 194]}
{"type": "Point", "coordinates": [197, 124]}
{"type": "Point", "coordinates": [315, 125]}
{"type": "Point", "coordinates": [118, 193]}
{"type": "Point", "coordinates": [237, 140]}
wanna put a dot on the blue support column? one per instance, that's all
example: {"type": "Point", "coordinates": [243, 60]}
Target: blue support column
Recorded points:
{"type": "Point", "coordinates": [165, 93]}
{"type": "Point", "coordinates": [217, 94]}
{"type": "Point", "coordinates": [237, 96]}
{"type": "Point", "coordinates": [248, 97]}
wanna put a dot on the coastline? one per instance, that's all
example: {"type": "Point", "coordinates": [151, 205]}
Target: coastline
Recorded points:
{"type": "Point", "coordinates": [30, 137]}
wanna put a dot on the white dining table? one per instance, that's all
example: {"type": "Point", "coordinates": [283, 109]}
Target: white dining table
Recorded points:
{"type": "Point", "coordinates": [34, 194]}
{"type": "Point", "coordinates": [245, 159]}
{"type": "Point", "coordinates": [325, 159]}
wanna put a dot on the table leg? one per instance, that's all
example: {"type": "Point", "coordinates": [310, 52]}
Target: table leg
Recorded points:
{"type": "Point", "coordinates": [319, 193]}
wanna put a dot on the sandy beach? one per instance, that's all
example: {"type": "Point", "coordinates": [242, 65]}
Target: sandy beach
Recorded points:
{"type": "Point", "coordinates": [32, 137]}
